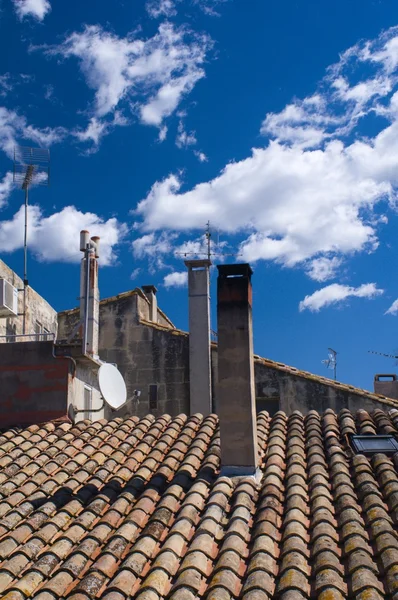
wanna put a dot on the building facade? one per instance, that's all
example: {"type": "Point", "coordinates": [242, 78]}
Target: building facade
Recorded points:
{"type": "Point", "coordinates": [41, 318]}
{"type": "Point", "coordinates": [153, 357]}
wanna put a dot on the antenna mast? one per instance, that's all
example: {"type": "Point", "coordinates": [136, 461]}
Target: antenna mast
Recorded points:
{"type": "Point", "coordinates": [31, 166]}
{"type": "Point", "coordinates": [208, 252]}
{"type": "Point", "coordinates": [208, 238]}
{"type": "Point", "coordinates": [382, 354]}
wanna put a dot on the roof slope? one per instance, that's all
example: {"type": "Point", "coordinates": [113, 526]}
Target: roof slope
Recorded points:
{"type": "Point", "coordinates": [132, 508]}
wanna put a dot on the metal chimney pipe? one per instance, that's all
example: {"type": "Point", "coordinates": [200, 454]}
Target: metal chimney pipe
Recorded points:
{"type": "Point", "coordinates": [84, 240]}
{"type": "Point", "coordinates": [96, 240]}
{"type": "Point", "coordinates": [89, 293]}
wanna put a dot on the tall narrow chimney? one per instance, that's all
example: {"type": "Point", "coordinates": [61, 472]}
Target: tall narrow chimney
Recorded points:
{"type": "Point", "coordinates": [199, 336]}
{"type": "Point", "coordinates": [236, 391]}
{"type": "Point", "coordinates": [89, 293]}
{"type": "Point", "coordinates": [150, 293]}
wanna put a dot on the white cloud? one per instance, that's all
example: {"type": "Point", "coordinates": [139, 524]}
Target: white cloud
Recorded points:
{"type": "Point", "coordinates": [335, 293]}
{"type": "Point", "coordinates": [176, 279]}
{"type": "Point", "coordinates": [150, 245]}
{"type": "Point", "coordinates": [97, 129]}
{"type": "Point", "coordinates": [135, 273]}
{"type": "Point", "coordinates": [5, 84]}
{"type": "Point", "coordinates": [322, 269]}
{"type": "Point", "coordinates": [8, 82]}
{"type": "Point", "coordinates": [295, 204]}
{"type": "Point", "coordinates": [393, 310]}
{"type": "Point", "coordinates": [166, 100]}
{"type": "Point", "coordinates": [191, 249]}
{"type": "Point", "coordinates": [308, 196]}
{"type": "Point", "coordinates": [338, 105]}
{"type": "Point", "coordinates": [209, 6]}
{"type": "Point", "coordinates": [162, 133]}
{"type": "Point", "coordinates": [161, 8]}
{"type": "Point", "coordinates": [14, 127]}
{"type": "Point", "coordinates": [94, 131]}
{"type": "Point", "coordinates": [153, 248]}
{"type": "Point", "coordinates": [37, 9]}
{"type": "Point", "coordinates": [6, 187]}
{"type": "Point", "coordinates": [168, 8]}
{"type": "Point", "coordinates": [153, 74]}
{"type": "Point", "coordinates": [185, 139]}
{"type": "Point", "coordinates": [201, 156]}
{"type": "Point", "coordinates": [53, 238]}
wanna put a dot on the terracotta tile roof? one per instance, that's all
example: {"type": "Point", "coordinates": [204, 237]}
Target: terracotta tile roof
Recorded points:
{"type": "Point", "coordinates": [130, 508]}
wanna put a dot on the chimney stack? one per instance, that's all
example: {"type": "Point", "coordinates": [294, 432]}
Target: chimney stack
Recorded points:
{"type": "Point", "coordinates": [236, 391]}
{"type": "Point", "coordinates": [89, 293]}
{"type": "Point", "coordinates": [150, 293]}
{"type": "Point", "coordinates": [199, 337]}
{"type": "Point", "coordinates": [386, 385]}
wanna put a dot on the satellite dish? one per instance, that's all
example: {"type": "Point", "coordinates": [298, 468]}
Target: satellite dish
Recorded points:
{"type": "Point", "coordinates": [112, 386]}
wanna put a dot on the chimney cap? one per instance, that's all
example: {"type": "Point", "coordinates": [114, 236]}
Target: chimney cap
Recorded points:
{"type": "Point", "coordinates": [149, 288]}
{"type": "Point", "coordinates": [235, 270]}
{"type": "Point", "coordinates": [198, 263]}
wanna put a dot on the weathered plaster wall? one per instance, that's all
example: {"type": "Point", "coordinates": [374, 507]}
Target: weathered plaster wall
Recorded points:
{"type": "Point", "coordinates": [67, 319]}
{"type": "Point", "coordinates": [84, 375]}
{"type": "Point", "coordinates": [152, 359]}
{"type": "Point", "coordinates": [278, 389]}
{"type": "Point", "coordinates": [146, 356]}
{"type": "Point", "coordinates": [37, 309]}
{"type": "Point", "coordinates": [33, 384]}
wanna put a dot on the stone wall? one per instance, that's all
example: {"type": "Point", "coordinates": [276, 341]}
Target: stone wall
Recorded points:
{"type": "Point", "coordinates": [38, 310]}
{"type": "Point", "coordinates": [154, 360]}
{"type": "Point", "coordinates": [287, 389]}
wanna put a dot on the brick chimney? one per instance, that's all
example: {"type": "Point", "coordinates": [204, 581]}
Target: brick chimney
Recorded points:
{"type": "Point", "coordinates": [150, 292]}
{"type": "Point", "coordinates": [236, 391]}
{"type": "Point", "coordinates": [89, 293]}
{"type": "Point", "coordinates": [199, 337]}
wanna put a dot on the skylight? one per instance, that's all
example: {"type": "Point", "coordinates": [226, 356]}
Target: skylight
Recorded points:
{"type": "Point", "coordinates": [374, 444]}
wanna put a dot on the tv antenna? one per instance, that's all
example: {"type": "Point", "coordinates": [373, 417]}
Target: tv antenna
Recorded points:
{"type": "Point", "coordinates": [382, 354]}
{"type": "Point", "coordinates": [31, 167]}
{"type": "Point", "coordinates": [208, 254]}
{"type": "Point", "coordinates": [331, 361]}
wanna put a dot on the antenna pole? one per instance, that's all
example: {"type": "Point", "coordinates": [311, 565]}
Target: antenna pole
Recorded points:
{"type": "Point", "coordinates": [25, 250]}
{"type": "Point", "coordinates": [208, 236]}
{"type": "Point", "coordinates": [31, 165]}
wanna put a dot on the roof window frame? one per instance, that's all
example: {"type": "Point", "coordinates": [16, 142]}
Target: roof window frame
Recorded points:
{"type": "Point", "coordinates": [358, 444]}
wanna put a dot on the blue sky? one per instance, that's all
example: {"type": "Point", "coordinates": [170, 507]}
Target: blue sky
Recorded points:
{"type": "Point", "coordinates": [276, 121]}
